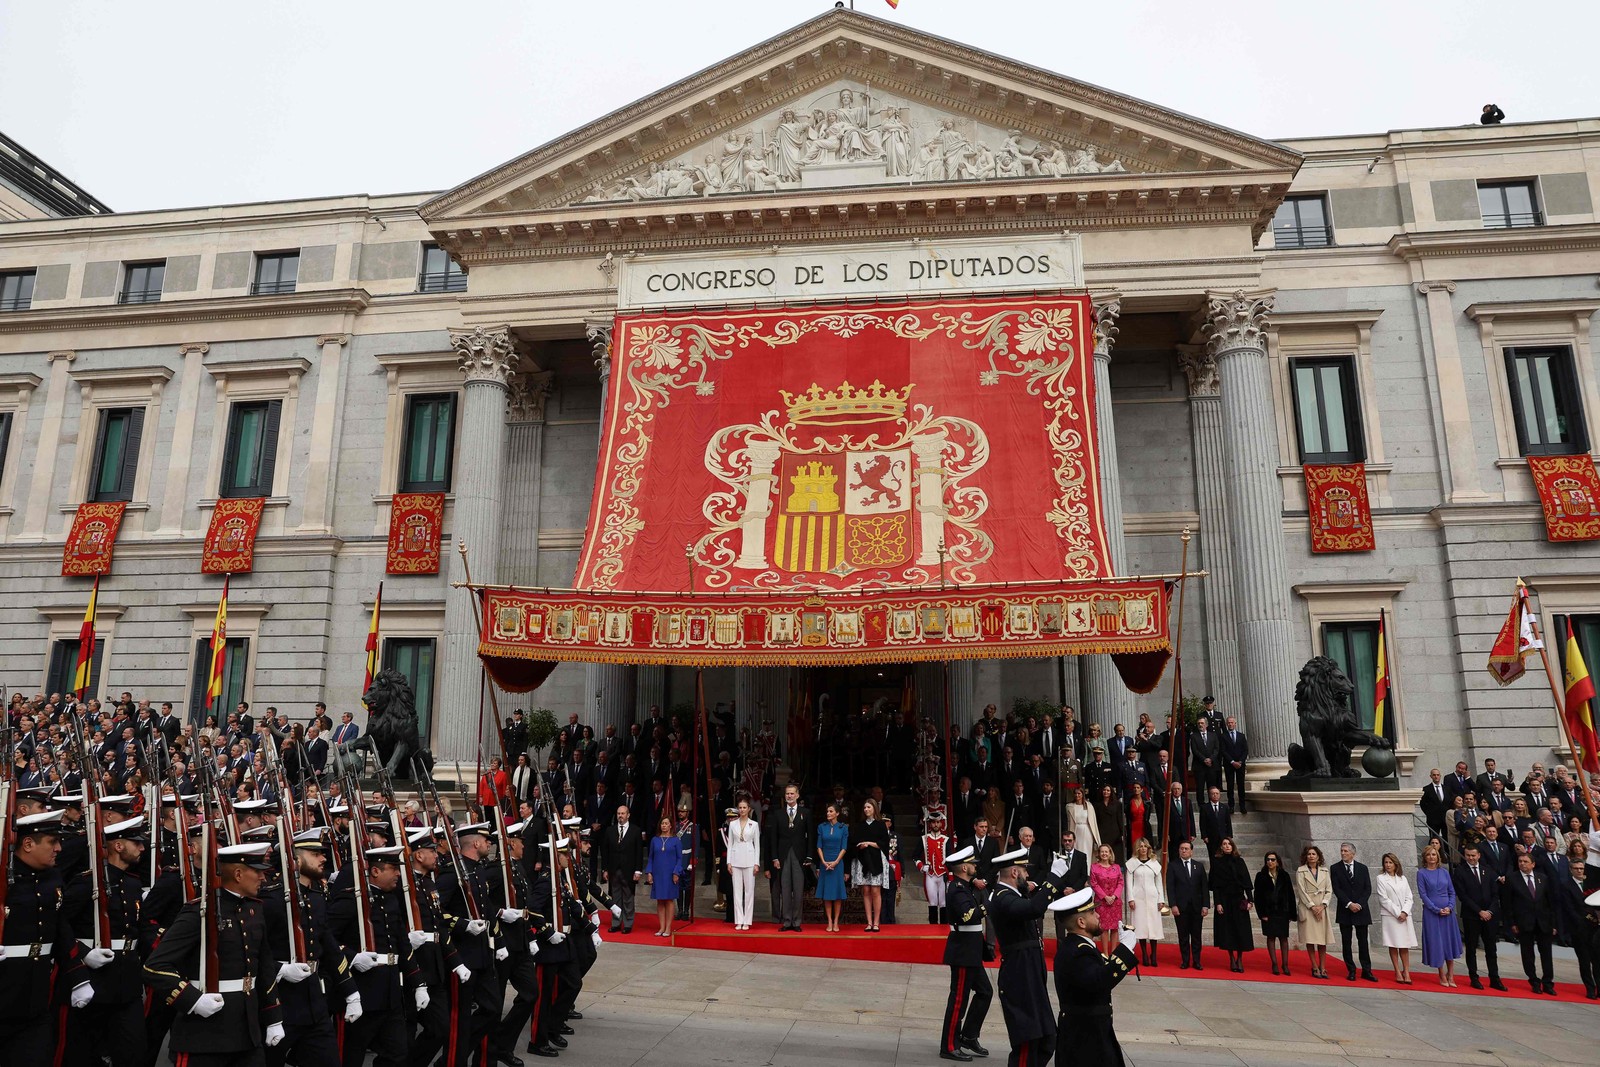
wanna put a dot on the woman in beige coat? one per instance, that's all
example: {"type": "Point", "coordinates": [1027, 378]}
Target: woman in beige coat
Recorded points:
{"type": "Point", "coordinates": [1313, 893]}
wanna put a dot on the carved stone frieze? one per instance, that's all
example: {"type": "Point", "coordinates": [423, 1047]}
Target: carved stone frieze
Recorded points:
{"type": "Point", "coordinates": [485, 354]}
{"type": "Point", "coordinates": [1236, 321]}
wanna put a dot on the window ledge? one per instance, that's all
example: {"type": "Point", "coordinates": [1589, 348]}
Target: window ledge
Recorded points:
{"type": "Point", "coordinates": [133, 505]}
{"type": "Point", "coordinates": [272, 502]}
{"type": "Point", "coordinates": [1521, 462]}
{"type": "Point", "coordinates": [1372, 468]}
{"type": "Point", "coordinates": [385, 499]}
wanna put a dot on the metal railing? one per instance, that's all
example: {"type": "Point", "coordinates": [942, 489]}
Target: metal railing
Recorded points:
{"type": "Point", "coordinates": [1302, 237]}
{"type": "Point", "coordinates": [453, 281]}
{"type": "Point", "coordinates": [1502, 220]}
{"type": "Point", "coordinates": [16, 303]}
{"type": "Point", "coordinates": [140, 296]}
{"type": "Point", "coordinates": [272, 288]}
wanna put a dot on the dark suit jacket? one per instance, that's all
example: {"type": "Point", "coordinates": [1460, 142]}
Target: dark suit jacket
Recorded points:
{"type": "Point", "coordinates": [1476, 894]}
{"type": "Point", "coordinates": [782, 839]}
{"type": "Point", "coordinates": [1498, 856]}
{"type": "Point", "coordinates": [1185, 891]}
{"type": "Point", "coordinates": [1483, 785]}
{"type": "Point", "coordinates": [597, 809]}
{"type": "Point", "coordinates": [1351, 888]}
{"type": "Point", "coordinates": [622, 857]}
{"type": "Point", "coordinates": [1571, 912]}
{"type": "Point", "coordinates": [1235, 748]}
{"type": "Point", "coordinates": [1117, 749]}
{"type": "Point", "coordinates": [1530, 911]}
{"type": "Point", "coordinates": [1457, 786]}
{"type": "Point", "coordinates": [1182, 826]}
{"type": "Point", "coordinates": [1434, 804]}
{"type": "Point", "coordinates": [1209, 748]}
{"type": "Point", "coordinates": [1077, 875]}
{"type": "Point", "coordinates": [1215, 825]}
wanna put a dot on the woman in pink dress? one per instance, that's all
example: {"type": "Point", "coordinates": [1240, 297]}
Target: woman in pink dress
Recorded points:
{"type": "Point", "coordinates": [1105, 878]}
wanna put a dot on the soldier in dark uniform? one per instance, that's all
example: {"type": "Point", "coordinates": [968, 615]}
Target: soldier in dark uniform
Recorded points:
{"type": "Point", "coordinates": [158, 912]}
{"type": "Point", "coordinates": [688, 834]}
{"type": "Point", "coordinates": [515, 928]}
{"type": "Point", "coordinates": [107, 992]}
{"type": "Point", "coordinates": [553, 931]}
{"type": "Point", "coordinates": [36, 938]}
{"type": "Point", "coordinates": [479, 997]}
{"type": "Point", "coordinates": [381, 971]}
{"type": "Point", "coordinates": [1084, 980]}
{"type": "Point", "coordinates": [434, 956]}
{"type": "Point", "coordinates": [1016, 908]}
{"type": "Point", "coordinates": [965, 950]}
{"type": "Point", "coordinates": [234, 1024]}
{"type": "Point", "coordinates": [310, 983]}
{"type": "Point", "coordinates": [592, 900]}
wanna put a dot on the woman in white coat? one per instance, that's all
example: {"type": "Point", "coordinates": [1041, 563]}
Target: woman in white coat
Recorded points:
{"type": "Point", "coordinates": [1083, 822]}
{"type": "Point", "coordinates": [744, 856]}
{"type": "Point", "coordinates": [1147, 895]}
{"type": "Point", "coordinates": [1395, 905]}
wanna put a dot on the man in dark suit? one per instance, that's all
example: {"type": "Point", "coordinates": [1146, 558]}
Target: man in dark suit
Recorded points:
{"type": "Point", "coordinates": [1532, 916]}
{"type": "Point", "coordinates": [1177, 813]}
{"type": "Point", "coordinates": [985, 847]}
{"type": "Point", "coordinates": [1189, 897]}
{"type": "Point", "coordinates": [168, 723]}
{"type": "Point", "coordinates": [316, 750]}
{"type": "Point", "coordinates": [573, 731]}
{"type": "Point", "coordinates": [1119, 746]}
{"type": "Point", "coordinates": [1478, 896]}
{"type": "Point", "coordinates": [1575, 925]}
{"type": "Point", "coordinates": [1352, 896]}
{"type": "Point", "coordinates": [1457, 784]}
{"type": "Point", "coordinates": [1216, 821]}
{"type": "Point", "coordinates": [1049, 825]}
{"type": "Point", "coordinates": [1235, 754]}
{"type": "Point", "coordinates": [1434, 803]}
{"type": "Point", "coordinates": [965, 807]}
{"type": "Point", "coordinates": [789, 848]}
{"type": "Point", "coordinates": [1077, 861]}
{"type": "Point", "coordinates": [1047, 742]}
{"type": "Point", "coordinates": [1205, 755]}
{"type": "Point", "coordinates": [1497, 855]}
{"type": "Point", "coordinates": [623, 849]}
{"type": "Point", "coordinates": [1485, 782]}
{"type": "Point", "coordinates": [1161, 771]}
{"type": "Point", "coordinates": [1020, 810]}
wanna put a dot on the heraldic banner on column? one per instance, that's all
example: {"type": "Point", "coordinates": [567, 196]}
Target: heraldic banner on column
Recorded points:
{"type": "Point", "coordinates": [844, 484]}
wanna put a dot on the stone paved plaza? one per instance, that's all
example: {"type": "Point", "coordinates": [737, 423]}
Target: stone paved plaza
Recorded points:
{"type": "Point", "coordinates": [664, 1007]}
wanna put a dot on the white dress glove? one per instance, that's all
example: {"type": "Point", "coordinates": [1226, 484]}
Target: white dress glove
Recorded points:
{"type": "Point", "coordinates": [82, 994]}
{"type": "Point", "coordinates": [274, 1034]}
{"type": "Point", "coordinates": [2, 952]}
{"type": "Point", "coordinates": [294, 972]}
{"type": "Point", "coordinates": [364, 961]}
{"type": "Point", "coordinates": [97, 958]}
{"type": "Point", "coordinates": [502, 953]}
{"type": "Point", "coordinates": [616, 911]}
{"type": "Point", "coordinates": [557, 937]}
{"type": "Point", "coordinates": [207, 1006]}
{"type": "Point", "coordinates": [476, 926]}
{"type": "Point", "coordinates": [1128, 938]}
{"type": "Point", "coordinates": [1058, 867]}
{"type": "Point", "coordinates": [510, 915]}
{"type": "Point", "coordinates": [597, 939]}
{"type": "Point", "coordinates": [463, 974]}
{"type": "Point", "coordinates": [594, 920]}
{"type": "Point", "coordinates": [422, 998]}
{"type": "Point", "coordinates": [418, 938]}
{"type": "Point", "coordinates": [352, 1007]}
{"type": "Point", "coordinates": [533, 949]}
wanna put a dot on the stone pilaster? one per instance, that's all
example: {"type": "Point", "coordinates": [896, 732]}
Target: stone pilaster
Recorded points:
{"type": "Point", "coordinates": [1105, 699]}
{"type": "Point", "coordinates": [322, 468]}
{"type": "Point", "coordinates": [1210, 475]}
{"type": "Point", "coordinates": [36, 519]}
{"type": "Point", "coordinates": [175, 493]}
{"type": "Point", "coordinates": [527, 393]}
{"type": "Point", "coordinates": [1236, 339]}
{"type": "Point", "coordinates": [488, 358]}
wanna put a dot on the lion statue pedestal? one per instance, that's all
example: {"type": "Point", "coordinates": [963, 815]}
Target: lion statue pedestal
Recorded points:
{"type": "Point", "coordinates": [1329, 732]}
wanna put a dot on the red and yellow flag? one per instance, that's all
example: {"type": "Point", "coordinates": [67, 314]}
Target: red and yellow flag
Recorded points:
{"type": "Point", "coordinates": [1380, 691]}
{"type": "Point", "coordinates": [1515, 642]}
{"type": "Point", "coordinates": [372, 641]}
{"type": "Point", "coordinates": [219, 648]}
{"type": "Point", "coordinates": [85, 671]}
{"type": "Point", "coordinates": [1579, 708]}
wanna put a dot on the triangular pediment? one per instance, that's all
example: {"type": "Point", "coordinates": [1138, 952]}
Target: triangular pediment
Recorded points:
{"type": "Point", "coordinates": [851, 101]}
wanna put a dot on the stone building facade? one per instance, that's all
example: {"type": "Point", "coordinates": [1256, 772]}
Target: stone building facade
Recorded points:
{"type": "Point", "coordinates": [1381, 298]}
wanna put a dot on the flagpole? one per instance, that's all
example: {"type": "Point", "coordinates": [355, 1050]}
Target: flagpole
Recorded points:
{"type": "Point", "coordinates": [1561, 716]}
{"type": "Point", "coordinates": [1383, 658]}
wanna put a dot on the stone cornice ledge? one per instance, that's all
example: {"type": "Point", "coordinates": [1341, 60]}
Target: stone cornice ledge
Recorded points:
{"type": "Point", "coordinates": [214, 309]}
{"type": "Point", "coordinates": [1479, 242]}
{"type": "Point", "coordinates": [1488, 311]}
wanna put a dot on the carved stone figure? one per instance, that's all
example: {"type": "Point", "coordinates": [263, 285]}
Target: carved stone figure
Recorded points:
{"type": "Point", "coordinates": [856, 139]}
{"type": "Point", "coordinates": [757, 178]}
{"type": "Point", "coordinates": [734, 148]}
{"type": "Point", "coordinates": [1328, 725]}
{"type": "Point", "coordinates": [1053, 160]}
{"type": "Point", "coordinates": [786, 152]}
{"type": "Point", "coordinates": [1012, 160]}
{"type": "Point", "coordinates": [391, 728]}
{"type": "Point", "coordinates": [894, 138]}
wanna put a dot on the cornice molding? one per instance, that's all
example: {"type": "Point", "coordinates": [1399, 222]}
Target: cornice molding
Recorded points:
{"type": "Point", "coordinates": [1357, 317]}
{"type": "Point", "coordinates": [209, 309]}
{"type": "Point", "coordinates": [1578, 237]}
{"type": "Point", "coordinates": [1488, 310]}
{"type": "Point", "coordinates": [114, 375]}
{"type": "Point", "coordinates": [292, 367]}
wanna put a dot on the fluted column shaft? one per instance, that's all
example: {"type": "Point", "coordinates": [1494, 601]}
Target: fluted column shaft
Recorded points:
{"type": "Point", "coordinates": [1106, 700]}
{"type": "Point", "coordinates": [1237, 341]}
{"type": "Point", "coordinates": [649, 690]}
{"type": "Point", "coordinates": [614, 682]}
{"type": "Point", "coordinates": [524, 487]}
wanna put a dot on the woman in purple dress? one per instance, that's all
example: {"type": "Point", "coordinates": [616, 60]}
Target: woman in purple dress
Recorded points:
{"type": "Point", "coordinates": [1441, 934]}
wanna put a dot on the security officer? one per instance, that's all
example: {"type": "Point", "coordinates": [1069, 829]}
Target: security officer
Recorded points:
{"type": "Point", "coordinates": [1084, 980]}
{"type": "Point", "coordinates": [965, 950]}
{"type": "Point", "coordinates": [440, 973]}
{"type": "Point", "coordinates": [35, 939]}
{"type": "Point", "coordinates": [1016, 908]}
{"type": "Point", "coordinates": [315, 976]}
{"type": "Point", "coordinates": [107, 991]}
{"type": "Point", "coordinates": [382, 970]}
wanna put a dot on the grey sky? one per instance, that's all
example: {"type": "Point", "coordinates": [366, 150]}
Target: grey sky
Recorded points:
{"type": "Point", "coordinates": [172, 104]}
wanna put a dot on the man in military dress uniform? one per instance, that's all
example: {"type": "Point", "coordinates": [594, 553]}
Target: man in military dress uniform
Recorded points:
{"type": "Point", "coordinates": [516, 920]}
{"type": "Point", "coordinates": [1084, 980]}
{"type": "Point", "coordinates": [107, 991]}
{"type": "Point", "coordinates": [479, 997]}
{"type": "Point", "coordinates": [559, 974]}
{"type": "Point", "coordinates": [236, 1023]}
{"type": "Point", "coordinates": [382, 970]}
{"type": "Point", "coordinates": [158, 912]}
{"type": "Point", "coordinates": [965, 950]}
{"type": "Point", "coordinates": [307, 986]}
{"type": "Point", "coordinates": [437, 1007]}
{"type": "Point", "coordinates": [1016, 908]}
{"type": "Point", "coordinates": [36, 937]}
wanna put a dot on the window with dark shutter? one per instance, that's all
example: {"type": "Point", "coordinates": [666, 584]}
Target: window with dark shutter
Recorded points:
{"type": "Point", "coordinates": [251, 449]}
{"type": "Point", "coordinates": [116, 454]}
{"type": "Point", "coordinates": [1545, 402]}
{"type": "Point", "coordinates": [414, 658]}
{"type": "Point", "coordinates": [429, 443]}
{"type": "Point", "coordinates": [64, 666]}
{"type": "Point", "coordinates": [233, 672]}
{"type": "Point", "coordinates": [5, 440]}
{"type": "Point", "coordinates": [1327, 410]}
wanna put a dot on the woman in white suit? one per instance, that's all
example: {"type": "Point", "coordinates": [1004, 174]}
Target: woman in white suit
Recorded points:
{"type": "Point", "coordinates": [1395, 904]}
{"type": "Point", "coordinates": [744, 856]}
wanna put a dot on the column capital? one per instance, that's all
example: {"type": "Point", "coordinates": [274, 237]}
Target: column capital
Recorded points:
{"type": "Point", "coordinates": [598, 331]}
{"type": "Point", "coordinates": [66, 356]}
{"type": "Point", "coordinates": [1237, 321]}
{"type": "Point", "coordinates": [333, 339]}
{"type": "Point", "coordinates": [526, 395]}
{"type": "Point", "coordinates": [486, 354]}
{"type": "Point", "coordinates": [1107, 309]}
{"type": "Point", "coordinates": [1200, 367]}
{"type": "Point", "coordinates": [1424, 288]}
{"type": "Point", "coordinates": [193, 346]}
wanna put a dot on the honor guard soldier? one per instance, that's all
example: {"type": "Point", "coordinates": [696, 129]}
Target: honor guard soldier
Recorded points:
{"type": "Point", "coordinates": [233, 1024]}
{"type": "Point", "coordinates": [317, 975]}
{"type": "Point", "coordinates": [558, 917]}
{"type": "Point", "coordinates": [517, 920]}
{"type": "Point", "coordinates": [107, 990]}
{"type": "Point", "coordinates": [1016, 908]}
{"type": "Point", "coordinates": [965, 950]}
{"type": "Point", "coordinates": [1084, 980]}
{"type": "Point", "coordinates": [935, 843]}
{"type": "Point", "coordinates": [74, 859]}
{"type": "Point", "coordinates": [35, 937]}
{"type": "Point", "coordinates": [434, 957]}
{"type": "Point", "coordinates": [159, 911]}
{"type": "Point", "coordinates": [465, 891]}
{"type": "Point", "coordinates": [376, 920]}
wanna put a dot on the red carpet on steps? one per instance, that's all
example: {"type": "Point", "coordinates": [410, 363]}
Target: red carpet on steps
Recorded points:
{"type": "Point", "coordinates": [908, 943]}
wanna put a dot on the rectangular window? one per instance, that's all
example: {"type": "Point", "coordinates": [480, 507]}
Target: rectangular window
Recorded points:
{"type": "Point", "coordinates": [233, 672]}
{"type": "Point", "coordinates": [116, 454]}
{"type": "Point", "coordinates": [1545, 401]}
{"type": "Point", "coordinates": [1587, 630]}
{"type": "Point", "coordinates": [1354, 647]}
{"type": "Point", "coordinates": [1302, 222]}
{"type": "Point", "coordinates": [251, 451]}
{"type": "Point", "coordinates": [440, 272]}
{"type": "Point", "coordinates": [64, 666]}
{"type": "Point", "coordinates": [414, 658]}
{"type": "Point", "coordinates": [1508, 205]}
{"type": "Point", "coordinates": [16, 290]}
{"type": "Point", "coordinates": [5, 440]}
{"type": "Point", "coordinates": [276, 273]}
{"type": "Point", "coordinates": [429, 443]}
{"type": "Point", "coordinates": [141, 282]}
{"type": "Point", "coordinates": [1327, 410]}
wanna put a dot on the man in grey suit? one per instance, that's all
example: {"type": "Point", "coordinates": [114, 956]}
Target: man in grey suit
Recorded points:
{"type": "Point", "coordinates": [789, 837]}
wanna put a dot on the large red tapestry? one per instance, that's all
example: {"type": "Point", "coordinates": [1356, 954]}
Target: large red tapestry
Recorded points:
{"type": "Point", "coordinates": [1570, 493]}
{"type": "Point", "coordinates": [230, 546]}
{"type": "Point", "coordinates": [1341, 518]}
{"type": "Point", "coordinates": [92, 540]}
{"type": "Point", "coordinates": [416, 523]}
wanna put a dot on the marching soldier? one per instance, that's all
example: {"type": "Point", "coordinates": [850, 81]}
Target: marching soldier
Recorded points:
{"type": "Point", "coordinates": [965, 950]}
{"type": "Point", "coordinates": [107, 991]}
{"type": "Point", "coordinates": [1084, 981]}
{"type": "Point", "coordinates": [556, 958]}
{"type": "Point", "coordinates": [159, 911]}
{"type": "Point", "coordinates": [234, 1023]}
{"type": "Point", "coordinates": [480, 998]}
{"type": "Point", "coordinates": [36, 936]}
{"type": "Point", "coordinates": [435, 998]}
{"type": "Point", "coordinates": [517, 919]}
{"type": "Point", "coordinates": [1016, 907]}
{"type": "Point", "coordinates": [382, 970]}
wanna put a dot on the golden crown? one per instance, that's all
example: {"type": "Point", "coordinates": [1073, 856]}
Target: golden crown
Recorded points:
{"type": "Point", "coordinates": [846, 404]}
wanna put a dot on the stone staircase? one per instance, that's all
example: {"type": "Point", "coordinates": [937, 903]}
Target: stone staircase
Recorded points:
{"type": "Point", "coordinates": [1254, 838]}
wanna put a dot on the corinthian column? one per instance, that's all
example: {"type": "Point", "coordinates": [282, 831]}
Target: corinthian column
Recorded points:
{"type": "Point", "coordinates": [488, 357]}
{"type": "Point", "coordinates": [1236, 339]}
{"type": "Point", "coordinates": [610, 686]}
{"type": "Point", "coordinates": [1106, 700]}
{"type": "Point", "coordinates": [528, 392]}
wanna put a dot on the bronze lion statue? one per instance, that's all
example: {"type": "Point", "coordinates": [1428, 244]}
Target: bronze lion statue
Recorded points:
{"type": "Point", "coordinates": [1328, 726]}
{"type": "Point", "coordinates": [391, 727]}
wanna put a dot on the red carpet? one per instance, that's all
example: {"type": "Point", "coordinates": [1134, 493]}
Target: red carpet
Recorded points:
{"type": "Point", "coordinates": [918, 943]}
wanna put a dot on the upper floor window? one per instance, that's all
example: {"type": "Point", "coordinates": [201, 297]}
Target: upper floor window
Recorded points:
{"type": "Point", "coordinates": [1508, 205]}
{"type": "Point", "coordinates": [1545, 400]}
{"type": "Point", "coordinates": [1302, 222]}
{"type": "Point", "coordinates": [1354, 647]}
{"type": "Point", "coordinates": [116, 454]}
{"type": "Point", "coordinates": [440, 272]}
{"type": "Point", "coordinates": [16, 290]}
{"type": "Point", "coordinates": [1327, 410]}
{"type": "Point", "coordinates": [276, 272]}
{"type": "Point", "coordinates": [251, 452]}
{"type": "Point", "coordinates": [429, 443]}
{"type": "Point", "coordinates": [5, 440]}
{"type": "Point", "coordinates": [64, 666]}
{"type": "Point", "coordinates": [141, 282]}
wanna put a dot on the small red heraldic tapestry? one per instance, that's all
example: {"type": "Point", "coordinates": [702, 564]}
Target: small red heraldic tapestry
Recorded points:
{"type": "Point", "coordinates": [231, 538]}
{"type": "Point", "coordinates": [93, 537]}
{"type": "Point", "coordinates": [415, 524]}
{"type": "Point", "coordinates": [1341, 519]}
{"type": "Point", "coordinates": [1570, 493]}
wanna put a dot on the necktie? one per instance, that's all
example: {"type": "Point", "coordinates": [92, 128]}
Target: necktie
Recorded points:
{"type": "Point", "coordinates": [1476, 875]}
{"type": "Point", "coordinates": [1188, 869]}
{"type": "Point", "coordinates": [1350, 870]}
{"type": "Point", "coordinates": [791, 818]}
{"type": "Point", "coordinates": [1530, 885]}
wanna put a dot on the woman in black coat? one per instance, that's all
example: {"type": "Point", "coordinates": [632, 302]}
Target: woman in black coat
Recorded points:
{"type": "Point", "coordinates": [1275, 907]}
{"type": "Point", "coordinates": [1230, 900]}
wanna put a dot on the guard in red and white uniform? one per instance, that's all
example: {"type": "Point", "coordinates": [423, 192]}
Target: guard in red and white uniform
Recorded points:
{"type": "Point", "coordinates": [936, 845]}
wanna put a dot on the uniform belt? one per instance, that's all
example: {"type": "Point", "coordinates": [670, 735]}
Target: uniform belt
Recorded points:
{"type": "Point", "coordinates": [974, 929]}
{"type": "Point", "coordinates": [1017, 946]}
{"type": "Point", "coordinates": [425, 936]}
{"type": "Point", "coordinates": [388, 959]}
{"type": "Point", "coordinates": [236, 985]}
{"type": "Point", "coordinates": [121, 944]}
{"type": "Point", "coordinates": [34, 951]}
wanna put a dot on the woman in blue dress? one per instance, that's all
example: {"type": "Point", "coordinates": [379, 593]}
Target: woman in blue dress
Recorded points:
{"type": "Point", "coordinates": [1441, 934]}
{"type": "Point", "coordinates": [832, 838]}
{"type": "Point", "coordinates": [662, 872]}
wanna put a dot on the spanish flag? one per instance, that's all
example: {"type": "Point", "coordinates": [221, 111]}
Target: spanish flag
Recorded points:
{"type": "Point", "coordinates": [219, 648]}
{"type": "Point", "coordinates": [372, 641]}
{"type": "Point", "coordinates": [1380, 691]}
{"type": "Point", "coordinates": [82, 676]}
{"type": "Point", "coordinates": [1579, 709]}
